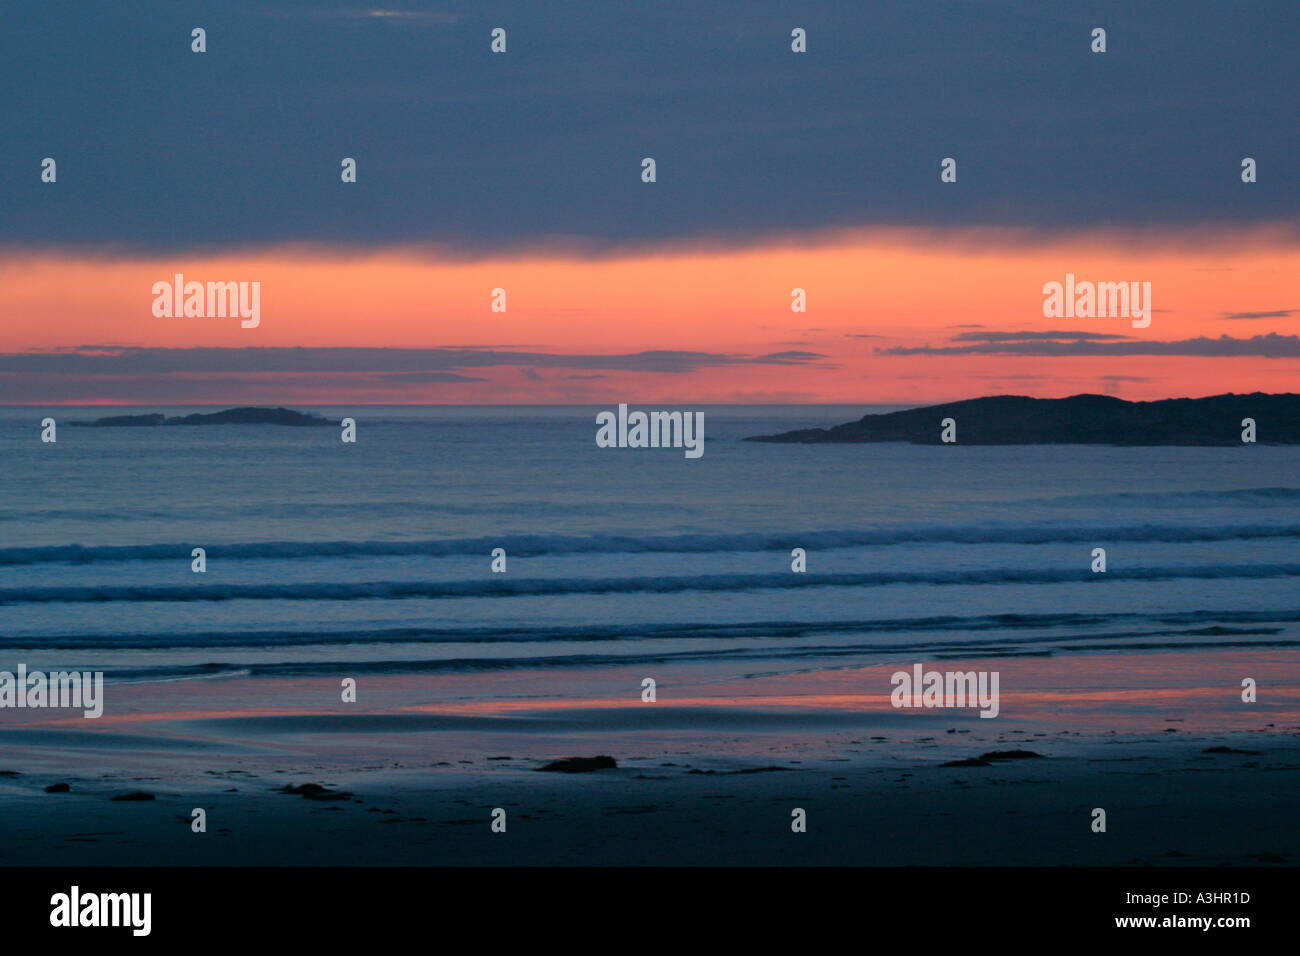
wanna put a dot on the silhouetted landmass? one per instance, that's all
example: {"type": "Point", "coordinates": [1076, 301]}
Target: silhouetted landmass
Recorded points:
{"type": "Point", "coordinates": [1080, 420]}
{"type": "Point", "coordinates": [231, 416]}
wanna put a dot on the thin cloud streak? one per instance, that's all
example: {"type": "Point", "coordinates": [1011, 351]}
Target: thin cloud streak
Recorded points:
{"type": "Point", "coordinates": [1225, 346]}
{"type": "Point", "coordinates": [140, 360]}
{"type": "Point", "coordinates": [1278, 314]}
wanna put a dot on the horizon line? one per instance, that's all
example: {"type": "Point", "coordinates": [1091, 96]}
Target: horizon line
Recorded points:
{"type": "Point", "coordinates": [903, 404]}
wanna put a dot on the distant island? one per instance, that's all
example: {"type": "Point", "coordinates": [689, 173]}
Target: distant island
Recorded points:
{"type": "Point", "coordinates": [1077, 420]}
{"type": "Point", "coordinates": [231, 416]}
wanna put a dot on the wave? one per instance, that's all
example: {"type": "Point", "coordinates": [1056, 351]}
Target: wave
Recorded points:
{"type": "Point", "coordinates": [541, 545]}
{"type": "Point", "coordinates": [1217, 623]}
{"type": "Point", "coordinates": [1181, 499]}
{"type": "Point", "coordinates": [500, 587]}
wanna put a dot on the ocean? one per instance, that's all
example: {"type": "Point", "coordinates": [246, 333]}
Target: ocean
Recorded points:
{"type": "Point", "coordinates": [325, 557]}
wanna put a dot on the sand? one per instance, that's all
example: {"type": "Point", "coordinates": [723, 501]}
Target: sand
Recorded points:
{"type": "Point", "coordinates": [706, 778]}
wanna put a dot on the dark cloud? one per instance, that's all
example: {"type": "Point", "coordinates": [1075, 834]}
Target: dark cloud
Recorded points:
{"type": "Point", "coordinates": [179, 375]}
{"type": "Point", "coordinates": [1225, 346]}
{"type": "Point", "coordinates": [1033, 336]}
{"type": "Point", "coordinates": [140, 360]}
{"type": "Point", "coordinates": [162, 149]}
{"type": "Point", "coordinates": [792, 357]}
{"type": "Point", "coordinates": [1278, 314]}
{"type": "Point", "coordinates": [427, 377]}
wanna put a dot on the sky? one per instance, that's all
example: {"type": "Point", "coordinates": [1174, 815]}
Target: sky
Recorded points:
{"type": "Point", "coordinates": [522, 171]}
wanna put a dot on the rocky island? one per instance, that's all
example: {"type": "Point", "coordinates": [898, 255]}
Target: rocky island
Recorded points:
{"type": "Point", "coordinates": [1077, 420]}
{"type": "Point", "coordinates": [231, 416]}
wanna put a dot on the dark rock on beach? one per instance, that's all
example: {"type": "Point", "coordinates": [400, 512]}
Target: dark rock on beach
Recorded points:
{"type": "Point", "coordinates": [135, 795]}
{"type": "Point", "coordinates": [314, 791]}
{"type": "Point", "coordinates": [1077, 420]}
{"type": "Point", "coordinates": [580, 764]}
{"type": "Point", "coordinates": [57, 788]}
{"type": "Point", "coordinates": [992, 757]}
{"type": "Point", "coordinates": [770, 769]}
{"type": "Point", "coordinates": [1009, 755]}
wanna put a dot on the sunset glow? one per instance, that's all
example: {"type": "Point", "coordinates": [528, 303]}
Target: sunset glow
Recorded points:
{"type": "Point", "coordinates": [569, 315]}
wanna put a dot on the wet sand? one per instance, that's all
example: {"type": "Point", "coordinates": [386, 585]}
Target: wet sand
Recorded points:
{"type": "Point", "coordinates": [709, 775]}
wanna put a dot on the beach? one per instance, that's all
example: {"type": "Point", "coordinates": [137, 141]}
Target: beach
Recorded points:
{"type": "Point", "coordinates": [705, 775]}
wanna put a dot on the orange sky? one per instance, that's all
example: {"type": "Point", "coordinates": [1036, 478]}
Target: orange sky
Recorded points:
{"type": "Point", "coordinates": [905, 287]}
